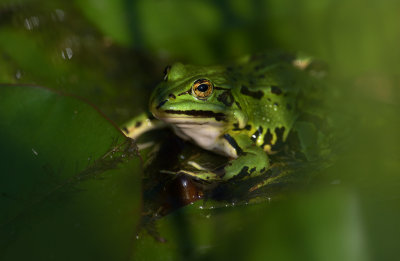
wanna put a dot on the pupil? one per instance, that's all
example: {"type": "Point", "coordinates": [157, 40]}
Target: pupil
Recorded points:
{"type": "Point", "coordinates": [202, 87]}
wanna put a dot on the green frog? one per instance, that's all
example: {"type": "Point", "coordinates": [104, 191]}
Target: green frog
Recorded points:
{"type": "Point", "coordinates": [244, 110]}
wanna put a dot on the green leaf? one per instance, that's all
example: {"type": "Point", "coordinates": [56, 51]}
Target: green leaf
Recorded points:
{"type": "Point", "coordinates": [69, 181]}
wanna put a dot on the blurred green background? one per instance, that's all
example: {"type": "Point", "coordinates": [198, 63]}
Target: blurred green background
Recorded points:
{"type": "Point", "coordinates": [111, 53]}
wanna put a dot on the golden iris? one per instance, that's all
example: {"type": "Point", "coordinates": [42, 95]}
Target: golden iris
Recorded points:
{"type": "Point", "coordinates": [202, 88]}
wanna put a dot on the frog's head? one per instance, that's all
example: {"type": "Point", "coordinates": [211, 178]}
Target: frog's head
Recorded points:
{"type": "Point", "coordinates": [195, 94]}
{"type": "Point", "coordinates": [191, 96]}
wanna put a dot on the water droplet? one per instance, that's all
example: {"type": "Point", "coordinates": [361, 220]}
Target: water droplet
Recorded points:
{"type": "Point", "coordinates": [60, 14]}
{"type": "Point", "coordinates": [28, 25]}
{"type": "Point", "coordinates": [263, 118]}
{"type": "Point", "coordinates": [67, 53]}
{"type": "Point", "coordinates": [31, 22]}
{"type": "Point", "coordinates": [35, 21]}
{"type": "Point", "coordinates": [35, 152]}
{"type": "Point", "coordinates": [18, 74]}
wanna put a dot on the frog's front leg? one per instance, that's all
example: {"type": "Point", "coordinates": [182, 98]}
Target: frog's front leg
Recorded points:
{"type": "Point", "coordinates": [141, 124]}
{"type": "Point", "coordinates": [251, 160]}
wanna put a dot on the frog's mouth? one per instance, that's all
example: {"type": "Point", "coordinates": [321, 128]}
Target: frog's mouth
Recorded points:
{"type": "Point", "coordinates": [173, 112]}
{"type": "Point", "coordinates": [176, 114]}
{"type": "Point", "coordinates": [218, 116]}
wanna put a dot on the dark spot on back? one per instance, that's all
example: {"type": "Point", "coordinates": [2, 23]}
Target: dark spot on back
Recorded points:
{"type": "Point", "coordinates": [252, 170]}
{"type": "Point", "coordinates": [276, 104]}
{"type": "Point", "coordinates": [125, 129]}
{"type": "Point", "coordinates": [279, 139]}
{"type": "Point", "coordinates": [138, 124]}
{"type": "Point", "coordinates": [276, 90]}
{"type": "Point", "coordinates": [248, 127]}
{"type": "Point", "coordinates": [226, 98]}
{"type": "Point", "coordinates": [255, 94]}
{"type": "Point", "coordinates": [267, 138]}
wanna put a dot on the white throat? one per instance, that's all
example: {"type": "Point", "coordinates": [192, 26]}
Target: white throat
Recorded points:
{"type": "Point", "coordinates": [206, 134]}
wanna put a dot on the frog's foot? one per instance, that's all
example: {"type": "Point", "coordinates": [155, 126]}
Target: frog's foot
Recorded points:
{"type": "Point", "coordinates": [252, 162]}
{"type": "Point", "coordinates": [204, 175]}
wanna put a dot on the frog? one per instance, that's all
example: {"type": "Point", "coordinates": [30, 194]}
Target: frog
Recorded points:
{"type": "Point", "coordinates": [243, 110]}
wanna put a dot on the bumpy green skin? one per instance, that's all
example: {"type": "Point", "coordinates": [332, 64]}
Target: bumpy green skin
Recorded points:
{"type": "Point", "coordinates": [255, 103]}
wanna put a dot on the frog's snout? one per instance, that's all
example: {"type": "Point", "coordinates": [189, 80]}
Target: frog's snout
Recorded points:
{"type": "Point", "coordinates": [157, 102]}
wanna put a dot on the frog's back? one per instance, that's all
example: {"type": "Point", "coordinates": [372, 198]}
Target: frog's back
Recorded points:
{"type": "Point", "coordinates": [268, 91]}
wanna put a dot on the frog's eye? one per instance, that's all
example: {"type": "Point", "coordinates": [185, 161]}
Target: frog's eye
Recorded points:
{"type": "Point", "coordinates": [202, 88]}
